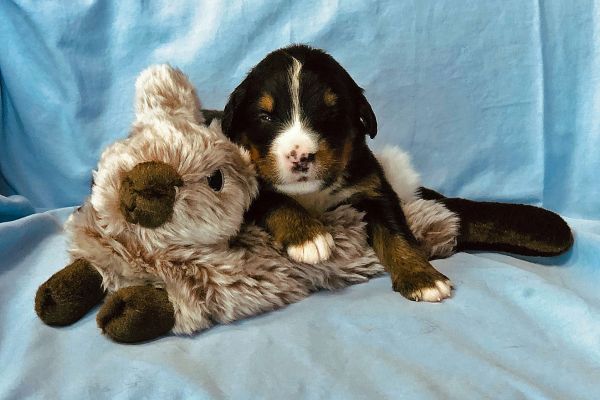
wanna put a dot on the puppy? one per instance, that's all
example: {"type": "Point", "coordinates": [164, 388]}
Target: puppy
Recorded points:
{"type": "Point", "coordinates": [305, 122]}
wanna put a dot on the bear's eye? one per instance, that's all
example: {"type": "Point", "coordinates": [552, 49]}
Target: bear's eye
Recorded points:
{"type": "Point", "coordinates": [215, 180]}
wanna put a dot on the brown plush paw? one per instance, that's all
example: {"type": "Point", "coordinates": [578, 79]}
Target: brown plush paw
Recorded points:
{"type": "Point", "coordinates": [425, 285]}
{"type": "Point", "coordinates": [135, 314]}
{"type": "Point", "coordinates": [69, 294]}
{"type": "Point", "coordinates": [148, 192]}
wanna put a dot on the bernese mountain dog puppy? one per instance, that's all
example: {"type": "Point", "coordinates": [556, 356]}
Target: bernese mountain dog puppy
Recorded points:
{"type": "Point", "coordinates": [305, 121]}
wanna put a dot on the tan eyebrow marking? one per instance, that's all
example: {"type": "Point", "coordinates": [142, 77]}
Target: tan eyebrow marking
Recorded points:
{"type": "Point", "coordinates": [266, 102]}
{"type": "Point", "coordinates": [329, 97]}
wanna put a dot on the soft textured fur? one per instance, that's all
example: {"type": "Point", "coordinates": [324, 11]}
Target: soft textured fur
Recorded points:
{"type": "Point", "coordinates": [214, 269]}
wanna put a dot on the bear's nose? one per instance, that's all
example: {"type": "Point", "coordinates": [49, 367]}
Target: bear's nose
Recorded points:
{"type": "Point", "coordinates": [147, 193]}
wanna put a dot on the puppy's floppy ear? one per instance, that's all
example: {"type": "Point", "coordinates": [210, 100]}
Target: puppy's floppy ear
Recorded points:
{"type": "Point", "coordinates": [166, 91]}
{"type": "Point", "coordinates": [232, 109]}
{"type": "Point", "coordinates": [367, 116]}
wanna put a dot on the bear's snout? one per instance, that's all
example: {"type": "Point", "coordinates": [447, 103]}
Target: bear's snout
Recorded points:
{"type": "Point", "coordinates": [147, 193]}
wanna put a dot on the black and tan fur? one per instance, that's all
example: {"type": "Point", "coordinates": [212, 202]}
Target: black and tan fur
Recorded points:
{"type": "Point", "coordinates": [334, 110]}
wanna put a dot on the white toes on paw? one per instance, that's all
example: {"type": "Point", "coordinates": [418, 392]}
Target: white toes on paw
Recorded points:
{"type": "Point", "coordinates": [313, 251]}
{"type": "Point", "coordinates": [441, 291]}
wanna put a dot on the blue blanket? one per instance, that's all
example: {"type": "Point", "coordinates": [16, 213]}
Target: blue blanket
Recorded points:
{"type": "Point", "coordinates": [494, 100]}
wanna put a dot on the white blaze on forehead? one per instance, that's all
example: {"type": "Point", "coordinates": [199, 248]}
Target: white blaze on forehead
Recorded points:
{"type": "Point", "coordinates": [295, 89]}
{"type": "Point", "coordinates": [295, 136]}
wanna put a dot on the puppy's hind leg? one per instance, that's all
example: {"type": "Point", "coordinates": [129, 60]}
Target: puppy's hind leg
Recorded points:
{"type": "Point", "coordinates": [513, 228]}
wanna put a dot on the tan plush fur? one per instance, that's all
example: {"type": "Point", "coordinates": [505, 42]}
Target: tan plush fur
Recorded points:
{"type": "Point", "coordinates": [434, 226]}
{"type": "Point", "coordinates": [214, 268]}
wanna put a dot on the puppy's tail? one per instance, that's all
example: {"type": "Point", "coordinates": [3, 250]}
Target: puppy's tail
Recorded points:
{"type": "Point", "coordinates": [513, 228]}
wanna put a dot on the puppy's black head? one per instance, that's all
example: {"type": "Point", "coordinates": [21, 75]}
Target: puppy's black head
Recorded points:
{"type": "Point", "coordinates": [300, 114]}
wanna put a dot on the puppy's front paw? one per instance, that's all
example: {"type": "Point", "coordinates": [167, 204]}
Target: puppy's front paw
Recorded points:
{"type": "Point", "coordinates": [304, 236]}
{"type": "Point", "coordinates": [441, 291]}
{"type": "Point", "coordinates": [314, 250]}
{"type": "Point", "coordinates": [429, 285]}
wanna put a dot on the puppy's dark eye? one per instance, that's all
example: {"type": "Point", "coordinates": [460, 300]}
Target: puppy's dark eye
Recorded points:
{"type": "Point", "coordinates": [266, 117]}
{"type": "Point", "coordinates": [215, 180]}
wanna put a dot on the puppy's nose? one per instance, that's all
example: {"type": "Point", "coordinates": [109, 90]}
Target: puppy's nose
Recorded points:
{"type": "Point", "coordinates": [300, 160]}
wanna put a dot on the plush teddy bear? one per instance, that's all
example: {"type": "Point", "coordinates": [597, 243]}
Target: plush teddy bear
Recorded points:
{"type": "Point", "coordinates": [163, 234]}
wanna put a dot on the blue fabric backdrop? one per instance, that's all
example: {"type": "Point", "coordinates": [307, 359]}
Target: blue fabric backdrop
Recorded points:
{"type": "Point", "coordinates": [494, 99]}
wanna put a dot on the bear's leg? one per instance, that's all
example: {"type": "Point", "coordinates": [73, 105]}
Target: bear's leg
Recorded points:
{"type": "Point", "coordinates": [136, 313]}
{"type": "Point", "coordinates": [69, 294]}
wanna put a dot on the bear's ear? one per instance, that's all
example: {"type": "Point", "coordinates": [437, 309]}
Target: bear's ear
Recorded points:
{"type": "Point", "coordinates": [166, 91]}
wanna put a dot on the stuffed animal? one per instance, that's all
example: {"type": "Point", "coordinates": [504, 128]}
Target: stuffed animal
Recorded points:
{"type": "Point", "coordinates": [162, 231]}
{"type": "Point", "coordinates": [163, 234]}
